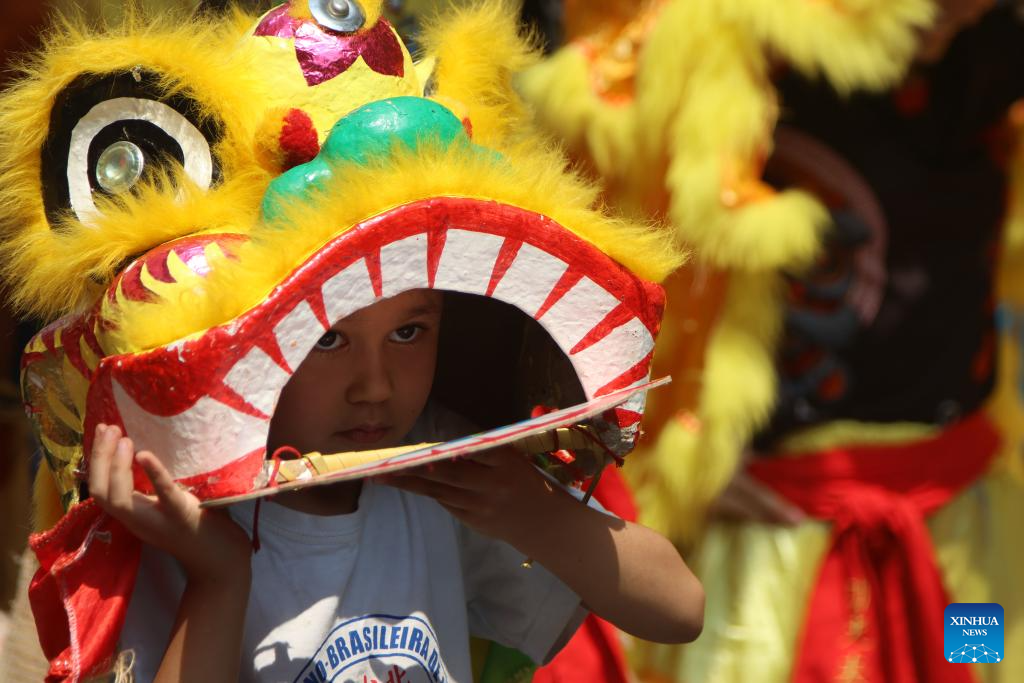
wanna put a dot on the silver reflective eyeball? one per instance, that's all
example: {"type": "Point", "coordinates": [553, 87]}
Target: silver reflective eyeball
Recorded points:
{"type": "Point", "coordinates": [345, 16]}
{"type": "Point", "coordinates": [120, 166]}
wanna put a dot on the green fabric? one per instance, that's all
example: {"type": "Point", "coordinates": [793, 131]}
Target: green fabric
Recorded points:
{"type": "Point", "coordinates": [505, 665]}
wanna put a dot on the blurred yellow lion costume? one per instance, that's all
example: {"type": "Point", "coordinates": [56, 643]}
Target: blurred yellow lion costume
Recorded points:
{"type": "Point", "coordinates": [673, 104]}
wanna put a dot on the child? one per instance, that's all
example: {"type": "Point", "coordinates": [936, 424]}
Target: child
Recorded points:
{"type": "Point", "coordinates": [379, 580]}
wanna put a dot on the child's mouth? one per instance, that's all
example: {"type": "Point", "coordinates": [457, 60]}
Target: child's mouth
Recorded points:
{"type": "Point", "coordinates": [365, 435]}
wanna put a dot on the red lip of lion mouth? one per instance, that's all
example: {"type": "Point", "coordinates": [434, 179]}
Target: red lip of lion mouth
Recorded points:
{"type": "Point", "coordinates": [228, 379]}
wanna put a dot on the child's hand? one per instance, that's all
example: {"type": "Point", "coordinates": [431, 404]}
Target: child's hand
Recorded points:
{"type": "Point", "coordinates": [623, 572]}
{"type": "Point", "coordinates": [209, 546]}
{"type": "Point", "coordinates": [486, 493]}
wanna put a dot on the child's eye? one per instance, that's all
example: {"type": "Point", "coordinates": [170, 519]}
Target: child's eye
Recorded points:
{"type": "Point", "coordinates": [406, 334]}
{"type": "Point", "coordinates": [330, 341]}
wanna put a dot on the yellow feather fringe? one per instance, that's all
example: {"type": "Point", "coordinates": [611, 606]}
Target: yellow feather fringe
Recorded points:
{"type": "Point", "coordinates": [51, 272]}
{"type": "Point", "coordinates": [477, 49]}
{"type": "Point", "coordinates": [694, 457]}
{"type": "Point", "coordinates": [689, 143]}
{"type": "Point", "coordinates": [528, 178]}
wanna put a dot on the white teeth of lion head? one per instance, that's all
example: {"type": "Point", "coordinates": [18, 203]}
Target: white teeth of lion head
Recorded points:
{"type": "Point", "coordinates": [632, 340]}
{"type": "Point", "coordinates": [468, 261]}
{"type": "Point", "coordinates": [606, 343]}
{"type": "Point", "coordinates": [576, 313]}
{"type": "Point", "coordinates": [258, 379]}
{"type": "Point", "coordinates": [403, 265]}
{"type": "Point", "coordinates": [348, 291]}
{"type": "Point", "coordinates": [294, 332]}
{"type": "Point", "coordinates": [530, 279]}
{"type": "Point", "coordinates": [204, 438]}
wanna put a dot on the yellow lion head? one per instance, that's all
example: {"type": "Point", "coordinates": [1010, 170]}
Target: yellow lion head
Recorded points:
{"type": "Point", "coordinates": [199, 198]}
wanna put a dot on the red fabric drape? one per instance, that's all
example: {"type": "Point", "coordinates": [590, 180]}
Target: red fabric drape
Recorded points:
{"type": "Point", "coordinates": [79, 596]}
{"type": "Point", "coordinates": [879, 600]}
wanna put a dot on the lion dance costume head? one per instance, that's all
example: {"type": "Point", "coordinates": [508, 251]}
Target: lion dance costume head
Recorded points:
{"type": "Point", "coordinates": [193, 202]}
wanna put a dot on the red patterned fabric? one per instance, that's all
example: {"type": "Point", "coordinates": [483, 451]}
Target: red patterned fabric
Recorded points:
{"type": "Point", "coordinates": [79, 596]}
{"type": "Point", "coordinates": [879, 601]}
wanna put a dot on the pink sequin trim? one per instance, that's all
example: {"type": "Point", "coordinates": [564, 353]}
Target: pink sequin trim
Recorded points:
{"type": "Point", "coordinates": [324, 54]}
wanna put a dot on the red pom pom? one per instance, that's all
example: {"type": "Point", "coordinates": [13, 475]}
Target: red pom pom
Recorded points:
{"type": "Point", "coordinates": [299, 141]}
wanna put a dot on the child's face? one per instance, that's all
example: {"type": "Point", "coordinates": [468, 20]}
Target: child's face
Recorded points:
{"type": "Point", "coordinates": [366, 381]}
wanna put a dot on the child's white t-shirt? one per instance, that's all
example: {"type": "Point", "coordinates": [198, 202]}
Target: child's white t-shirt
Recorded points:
{"type": "Point", "coordinates": [390, 593]}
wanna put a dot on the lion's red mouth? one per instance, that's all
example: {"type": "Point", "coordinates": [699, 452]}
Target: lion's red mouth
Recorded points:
{"type": "Point", "coordinates": [213, 422]}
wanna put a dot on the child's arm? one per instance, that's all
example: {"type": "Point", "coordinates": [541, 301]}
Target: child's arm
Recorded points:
{"type": "Point", "coordinates": [623, 572]}
{"type": "Point", "coordinates": [206, 639]}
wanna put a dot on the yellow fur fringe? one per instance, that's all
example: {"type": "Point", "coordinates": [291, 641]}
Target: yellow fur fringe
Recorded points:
{"type": "Point", "coordinates": [689, 143]}
{"type": "Point", "coordinates": [702, 76]}
{"type": "Point", "coordinates": [683, 470]}
{"type": "Point", "coordinates": [53, 272]}
{"type": "Point", "coordinates": [854, 44]}
{"type": "Point", "coordinates": [527, 178]}
{"type": "Point", "coordinates": [477, 49]}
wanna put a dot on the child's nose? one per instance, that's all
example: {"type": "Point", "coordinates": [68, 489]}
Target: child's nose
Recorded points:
{"type": "Point", "coordinates": [371, 382]}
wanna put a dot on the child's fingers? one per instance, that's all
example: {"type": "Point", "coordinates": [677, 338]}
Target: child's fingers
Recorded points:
{"type": "Point", "coordinates": [464, 474]}
{"type": "Point", "coordinates": [121, 481]}
{"type": "Point", "coordinates": [496, 456]}
{"type": "Point", "coordinates": [169, 493]}
{"type": "Point", "coordinates": [103, 445]}
{"type": "Point", "coordinates": [444, 493]}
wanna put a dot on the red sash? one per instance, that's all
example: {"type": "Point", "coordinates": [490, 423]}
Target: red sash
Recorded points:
{"type": "Point", "coordinates": [878, 605]}
{"type": "Point", "coordinates": [80, 594]}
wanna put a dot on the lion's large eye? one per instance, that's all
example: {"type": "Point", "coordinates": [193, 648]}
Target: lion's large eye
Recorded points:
{"type": "Point", "coordinates": [107, 133]}
{"type": "Point", "coordinates": [120, 167]}
{"type": "Point", "coordinates": [345, 16]}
